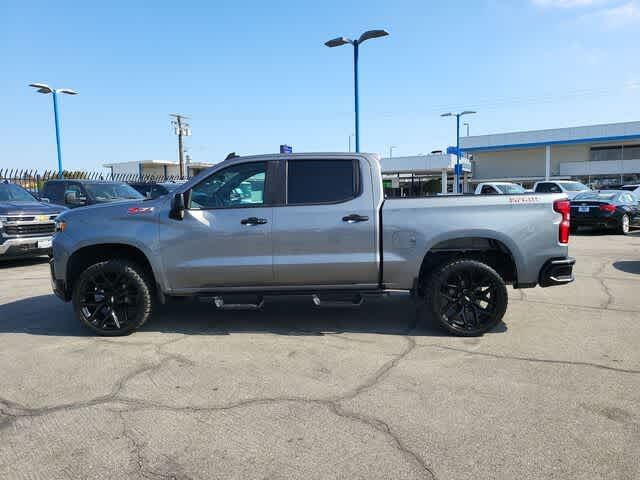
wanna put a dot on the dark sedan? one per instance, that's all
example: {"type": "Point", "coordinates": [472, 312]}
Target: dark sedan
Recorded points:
{"type": "Point", "coordinates": [611, 209]}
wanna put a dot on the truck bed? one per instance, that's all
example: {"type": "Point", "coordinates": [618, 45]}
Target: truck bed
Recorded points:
{"type": "Point", "coordinates": [526, 225]}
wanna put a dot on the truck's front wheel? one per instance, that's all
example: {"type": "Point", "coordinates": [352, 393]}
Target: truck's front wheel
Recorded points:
{"type": "Point", "coordinates": [466, 297]}
{"type": "Point", "coordinates": [113, 297]}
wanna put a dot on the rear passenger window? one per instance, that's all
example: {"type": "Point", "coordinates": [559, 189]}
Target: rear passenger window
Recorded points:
{"type": "Point", "coordinates": [548, 188]}
{"type": "Point", "coordinates": [321, 181]}
{"type": "Point", "coordinates": [54, 191]}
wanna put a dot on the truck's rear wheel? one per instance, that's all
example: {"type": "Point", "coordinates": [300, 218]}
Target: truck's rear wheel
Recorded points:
{"type": "Point", "coordinates": [113, 298]}
{"type": "Point", "coordinates": [466, 297]}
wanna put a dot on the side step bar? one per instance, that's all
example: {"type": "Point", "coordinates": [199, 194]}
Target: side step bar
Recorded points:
{"type": "Point", "coordinates": [220, 304]}
{"type": "Point", "coordinates": [353, 302]}
{"type": "Point", "coordinates": [248, 301]}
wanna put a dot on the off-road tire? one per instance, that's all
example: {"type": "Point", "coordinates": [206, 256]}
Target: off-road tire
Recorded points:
{"type": "Point", "coordinates": [121, 278]}
{"type": "Point", "coordinates": [484, 297]}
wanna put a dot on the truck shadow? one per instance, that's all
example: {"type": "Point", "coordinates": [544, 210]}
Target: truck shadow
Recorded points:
{"type": "Point", "coordinates": [46, 315]}
{"type": "Point", "coordinates": [628, 266]}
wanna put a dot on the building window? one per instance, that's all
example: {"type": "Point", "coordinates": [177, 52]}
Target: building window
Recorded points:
{"type": "Point", "coordinates": [618, 152]}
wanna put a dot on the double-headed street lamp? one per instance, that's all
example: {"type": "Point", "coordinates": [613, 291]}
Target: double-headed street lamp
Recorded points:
{"type": "Point", "coordinates": [46, 89]}
{"type": "Point", "coordinates": [337, 42]}
{"type": "Point", "coordinates": [457, 172]}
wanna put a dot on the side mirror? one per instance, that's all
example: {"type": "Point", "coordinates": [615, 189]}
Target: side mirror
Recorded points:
{"type": "Point", "coordinates": [177, 207]}
{"type": "Point", "coordinates": [71, 198]}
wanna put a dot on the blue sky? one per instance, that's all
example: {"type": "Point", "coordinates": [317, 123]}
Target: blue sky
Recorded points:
{"type": "Point", "coordinates": [254, 74]}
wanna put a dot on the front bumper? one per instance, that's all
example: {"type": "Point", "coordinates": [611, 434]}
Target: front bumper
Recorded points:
{"type": "Point", "coordinates": [58, 286]}
{"type": "Point", "coordinates": [25, 246]}
{"type": "Point", "coordinates": [557, 271]}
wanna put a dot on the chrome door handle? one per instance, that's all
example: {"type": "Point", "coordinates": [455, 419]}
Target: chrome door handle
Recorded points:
{"type": "Point", "coordinates": [354, 218]}
{"type": "Point", "coordinates": [253, 221]}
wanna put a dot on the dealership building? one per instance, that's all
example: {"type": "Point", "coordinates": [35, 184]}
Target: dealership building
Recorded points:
{"type": "Point", "coordinates": [157, 168]}
{"type": "Point", "coordinates": [598, 155]}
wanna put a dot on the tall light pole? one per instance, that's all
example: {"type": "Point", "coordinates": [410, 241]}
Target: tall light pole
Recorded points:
{"type": "Point", "coordinates": [182, 129]}
{"type": "Point", "coordinates": [467, 125]}
{"type": "Point", "coordinates": [391, 147]}
{"type": "Point", "coordinates": [339, 41]}
{"type": "Point", "coordinates": [457, 172]}
{"type": "Point", "coordinates": [352, 135]}
{"type": "Point", "coordinates": [46, 89]}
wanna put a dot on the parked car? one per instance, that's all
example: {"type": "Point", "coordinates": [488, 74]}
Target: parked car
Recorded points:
{"type": "Point", "coordinates": [498, 188]}
{"type": "Point", "coordinates": [78, 193]}
{"type": "Point", "coordinates": [569, 188]}
{"type": "Point", "coordinates": [153, 189]}
{"type": "Point", "coordinates": [635, 189]}
{"type": "Point", "coordinates": [26, 223]}
{"type": "Point", "coordinates": [611, 209]}
{"type": "Point", "coordinates": [307, 224]}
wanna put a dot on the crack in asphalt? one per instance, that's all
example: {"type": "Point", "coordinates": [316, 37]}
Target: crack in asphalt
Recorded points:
{"type": "Point", "coordinates": [383, 427]}
{"type": "Point", "coordinates": [12, 410]}
{"type": "Point", "coordinates": [532, 359]}
{"type": "Point", "coordinates": [143, 471]}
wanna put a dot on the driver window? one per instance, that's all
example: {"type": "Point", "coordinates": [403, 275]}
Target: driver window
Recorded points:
{"type": "Point", "coordinates": [237, 186]}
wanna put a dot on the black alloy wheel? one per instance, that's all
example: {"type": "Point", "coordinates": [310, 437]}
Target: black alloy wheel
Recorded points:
{"type": "Point", "coordinates": [112, 298]}
{"type": "Point", "coordinates": [467, 297]}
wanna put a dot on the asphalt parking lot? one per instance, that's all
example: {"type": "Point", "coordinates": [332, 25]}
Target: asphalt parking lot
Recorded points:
{"type": "Point", "coordinates": [296, 392]}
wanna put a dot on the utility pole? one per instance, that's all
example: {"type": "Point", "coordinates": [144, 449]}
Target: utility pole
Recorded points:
{"type": "Point", "coordinates": [181, 129]}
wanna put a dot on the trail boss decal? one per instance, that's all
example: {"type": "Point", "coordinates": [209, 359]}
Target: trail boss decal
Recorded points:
{"type": "Point", "coordinates": [525, 199]}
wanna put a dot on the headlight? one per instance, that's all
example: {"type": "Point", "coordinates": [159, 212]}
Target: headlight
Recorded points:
{"type": "Point", "coordinates": [61, 225]}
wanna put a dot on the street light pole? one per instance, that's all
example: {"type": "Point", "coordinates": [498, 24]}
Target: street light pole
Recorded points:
{"type": "Point", "coordinates": [391, 147]}
{"type": "Point", "coordinates": [46, 89]}
{"type": "Point", "coordinates": [467, 125]}
{"type": "Point", "coordinates": [457, 185]}
{"type": "Point", "coordinates": [355, 93]}
{"type": "Point", "coordinates": [458, 189]}
{"type": "Point", "coordinates": [336, 42]}
{"type": "Point", "coordinates": [54, 94]}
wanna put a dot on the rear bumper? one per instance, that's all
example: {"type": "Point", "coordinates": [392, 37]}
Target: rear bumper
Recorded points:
{"type": "Point", "coordinates": [19, 246]}
{"type": "Point", "coordinates": [603, 222]}
{"type": "Point", "coordinates": [557, 271]}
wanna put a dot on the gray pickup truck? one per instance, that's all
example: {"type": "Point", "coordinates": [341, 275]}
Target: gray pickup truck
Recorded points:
{"type": "Point", "coordinates": [307, 224]}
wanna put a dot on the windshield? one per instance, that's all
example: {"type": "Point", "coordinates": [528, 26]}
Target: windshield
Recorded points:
{"type": "Point", "coordinates": [630, 188]}
{"type": "Point", "coordinates": [508, 189]}
{"type": "Point", "coordinates": [170, 186]}
{"type": "Point", "coordinates": [13, 193]}
{"type": "Point", "coordinates": [109, 192]}
{"type": "Point", "coordinates": [596, 196]}
{"type": "Point", "coordinates": [574, 186]}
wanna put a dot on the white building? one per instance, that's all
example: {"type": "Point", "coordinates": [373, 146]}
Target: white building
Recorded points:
{"type": "Point", "coordinates": [599, 155]}
{"type": "Point", "coordinates": [409, 176]}
{"type": "Point", "coordinates": [159, 168]}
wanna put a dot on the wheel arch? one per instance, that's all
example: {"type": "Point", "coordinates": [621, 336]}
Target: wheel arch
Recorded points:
{"type": "Point", "coordinates": [494, 250]}
{"type": "Point", "coordinates": [89, 255]}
